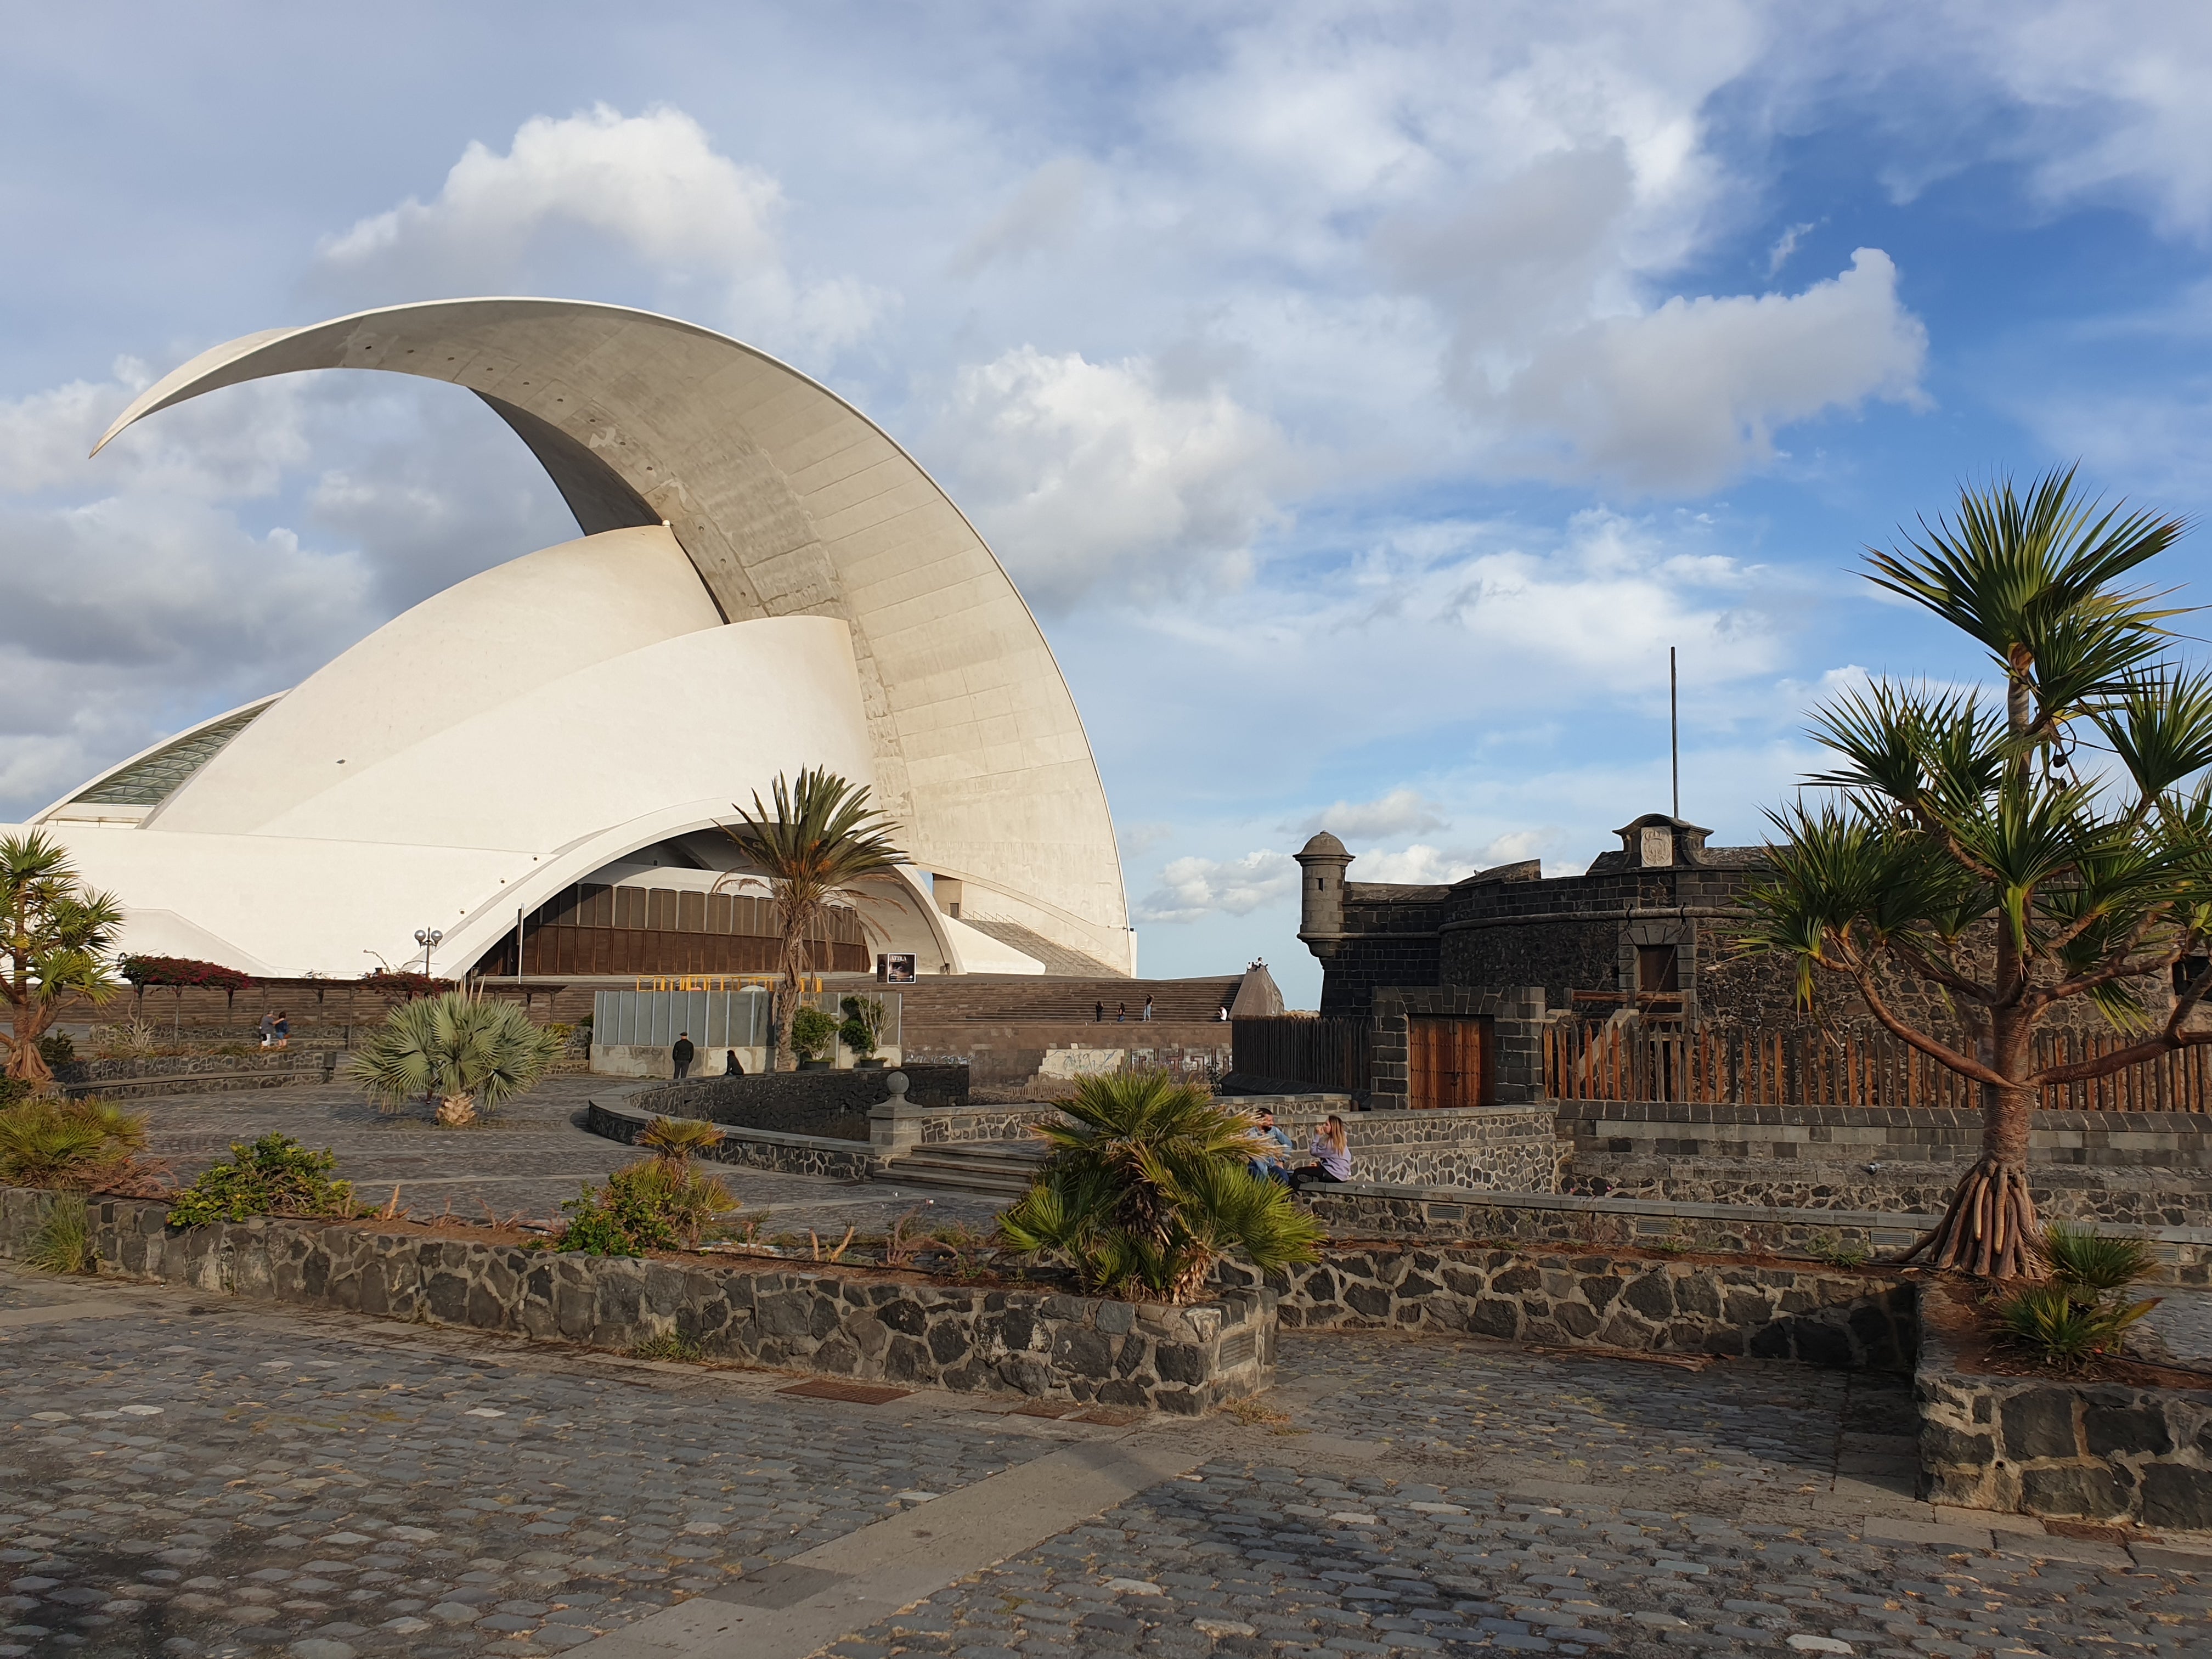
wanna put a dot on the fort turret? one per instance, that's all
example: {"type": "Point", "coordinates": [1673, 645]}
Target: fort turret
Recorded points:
{"type": "Point", "coordinates": [1321, 864]}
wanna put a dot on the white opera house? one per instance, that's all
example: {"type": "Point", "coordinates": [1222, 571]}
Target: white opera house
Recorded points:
{"type": "Point", "coordinates": [543, 753]}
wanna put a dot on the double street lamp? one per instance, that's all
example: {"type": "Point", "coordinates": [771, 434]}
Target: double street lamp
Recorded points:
{"type": "Point", "coordinates": [427, 938]}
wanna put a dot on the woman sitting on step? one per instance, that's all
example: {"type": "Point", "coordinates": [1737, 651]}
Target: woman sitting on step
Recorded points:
{"type": "Point", "coordinates": [1329, 1146]}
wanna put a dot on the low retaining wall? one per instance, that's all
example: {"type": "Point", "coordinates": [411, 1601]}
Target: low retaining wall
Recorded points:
{"type": "Point", "coordinates": [829, 1103]}
{"type": "Point", "coordinates": [1663, 1130]}
{"type": "Point", "coordinates": [2068, 1450]}
{"type": "Point", "coordinates": [1493, 1148]}
{"type": "Point", "coordinates": [617, 1117]}
{"type": "Point", "coordinates": [2134, 1197]}
{"type": "Point", "coordinates": [1592, 1300]}
{"type": "Point", "coordinates": [1362, 1210]}
{"type": "Point", "coordinates": [999, 1340]}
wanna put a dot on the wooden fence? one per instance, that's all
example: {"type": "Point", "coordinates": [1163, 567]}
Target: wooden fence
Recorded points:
{"type": "Point", "coordinates": [1714, 1064]}
{"type": "Point", "coordinates": [1325, 1055]}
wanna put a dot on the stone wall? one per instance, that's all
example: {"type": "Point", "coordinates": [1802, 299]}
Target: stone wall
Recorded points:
{"type": "Point", "coordinates": [828, 1104]}
{"type": "Point", "coordinates": [1821, 1317]}
{"type": "Point", "coordinates": [2069, 1451]}
{"type": "Point", "coordinates": [1504, 1148]}
{"type": "Point", "coordinates": [872, 1327]}
{"type": "Point", "coordinates": [1031, 1056]}
{"type": "Point", "coordinates": [1672, 1129]}
{"type": "Point", "coordinates": [2142, 1168]}
{"type": "Point", "coordinates": [1373, 1210]}
{"type": "Point", "coordinates": [617, 1118]}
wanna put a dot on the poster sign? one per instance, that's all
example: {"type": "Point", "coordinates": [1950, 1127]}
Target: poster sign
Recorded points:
{"type": "Point", "coordinates": [896, 968]}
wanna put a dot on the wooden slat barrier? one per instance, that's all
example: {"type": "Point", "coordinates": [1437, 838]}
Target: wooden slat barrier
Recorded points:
{"type": "Point", "coordinates": [1329, 1054]}
{"type": "Point", "coordinates": [1716, 1063]}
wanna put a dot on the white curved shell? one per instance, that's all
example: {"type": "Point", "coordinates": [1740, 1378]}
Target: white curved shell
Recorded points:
{"type": "Point", "coordinates": [788, 504]}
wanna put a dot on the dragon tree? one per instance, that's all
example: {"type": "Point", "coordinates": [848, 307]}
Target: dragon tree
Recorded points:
{"type": "Point", "coordinates": [2011, 856]}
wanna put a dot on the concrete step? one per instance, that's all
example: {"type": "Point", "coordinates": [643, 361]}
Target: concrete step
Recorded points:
{"type": "Point", "coordinates": [997, 1168]}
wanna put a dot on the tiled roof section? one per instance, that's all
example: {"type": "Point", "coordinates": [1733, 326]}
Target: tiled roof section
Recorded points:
{"type": "Point", "coordinates": [152, 781]}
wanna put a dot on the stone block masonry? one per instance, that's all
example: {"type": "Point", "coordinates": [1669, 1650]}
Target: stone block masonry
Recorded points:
{"type": "Point", "coordinates": [1819, 1317]}
{"type": "Point", "coordinates": [869, 1327]}
{"type": "Point", "coordinates": [617, 1118]}
{"type": "Point", "coordinates": [2074, 1450]}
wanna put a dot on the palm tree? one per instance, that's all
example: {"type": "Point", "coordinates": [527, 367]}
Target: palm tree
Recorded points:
{"type": "Point", "coordinates": [1963, 855]}
{"type": "Point", "coordinates": [813, 844]}
{"type": "Point", "coordinates": [55, 935]}
{"type": "Point", "coordinates": [1147, 1188]}
{"type": "Point", "coordinates": [473, 1053]}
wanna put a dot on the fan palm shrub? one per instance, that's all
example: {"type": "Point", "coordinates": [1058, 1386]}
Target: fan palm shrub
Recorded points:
{"type": "Point", "coordinates": [82, 1146]}
{"type": "Point", "coordinates": [1148, 1188]}
{"type": "Point", "coordinates": [1961, 861]}
{"type": "Point", "coordinates": [470, 1052]}
{"type": "Point", "coordinates": [2091, 1263]}
{"type": "Point", "coordinates": [676, 1139]}
{"type": "Point", "coordinates": [814, 844]}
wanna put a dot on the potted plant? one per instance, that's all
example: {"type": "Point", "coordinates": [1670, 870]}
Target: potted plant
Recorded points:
{"type": "Point", "coordinates": [812, 1031]}
{"type": "Point", "coordinates": [863, 1029]}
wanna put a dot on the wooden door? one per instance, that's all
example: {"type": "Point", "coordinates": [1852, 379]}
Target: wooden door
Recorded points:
{"type": "Point", "coordinates": [1448, 1062]}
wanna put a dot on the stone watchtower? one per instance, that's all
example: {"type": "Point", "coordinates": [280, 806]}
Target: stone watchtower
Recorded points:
{"type": "Point", "coordinates": [1321, 864]}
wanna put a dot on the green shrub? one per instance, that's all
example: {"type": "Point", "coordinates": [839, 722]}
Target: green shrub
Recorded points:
{"type": "Point", "coordinates": [662, 1204]}
{"type": "Point", "coordinates": [2085, 1260]}
{"type": "Point", "coordinates": [62, 1243]}
{"type": "Point", "coordinates": [56, 1050]}
{"type": "Point", "coordinates": [863, 1026]}
{"type": "Point", "coordinates": [79, 1144]}
{"type": "Point", "coordinates": [12, 1089]}
{"type": "Point", "coordinates": [274, 1176]}
{"type": "Point", "coordinates": [812, 1031]}
{"type": "Point", "coordinates": [2061, 1329]}
{"type": "Point", "coordinates": [1148, 1189]}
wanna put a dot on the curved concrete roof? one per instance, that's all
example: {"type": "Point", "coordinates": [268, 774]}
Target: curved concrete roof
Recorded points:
{"type": "Point", "coordinates": [789, 502]}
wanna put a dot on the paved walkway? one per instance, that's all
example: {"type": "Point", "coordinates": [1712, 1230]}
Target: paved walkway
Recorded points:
{"type": "Point", "coordinates": [188, 1475]}
{"type": "Point", "coordinates": [526, 1159]}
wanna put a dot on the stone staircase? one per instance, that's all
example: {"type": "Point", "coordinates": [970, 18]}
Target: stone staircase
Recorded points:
{"type": "Point", "coordinates": [1000, 1168]}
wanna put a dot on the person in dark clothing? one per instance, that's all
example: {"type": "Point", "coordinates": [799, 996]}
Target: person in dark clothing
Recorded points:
{"type": "Point", "coordinates": [1121, 1012]}
{"type": "Point", "coordinates": [1098, 1013]}
{"type": "Point", "coordinates": [682, 1054]}
{"type": "Point", "coordinates": [731, 1066]}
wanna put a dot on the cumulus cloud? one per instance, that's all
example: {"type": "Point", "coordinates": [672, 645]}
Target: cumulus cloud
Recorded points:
{"type": "Point", "coordinates": [1191, 888]}
{"type": "Point", "coordinates": [1402, 811]}
{"type": "Point", "coordinates": [1682, 397]}
{"type": "Point", "coordinates": [1089, 474]}
{"type": "Point", "coordinates": [568, 190]}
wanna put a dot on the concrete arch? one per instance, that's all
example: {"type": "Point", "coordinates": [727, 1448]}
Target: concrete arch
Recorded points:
{"type": "Point", "coordinates": [789, 501]}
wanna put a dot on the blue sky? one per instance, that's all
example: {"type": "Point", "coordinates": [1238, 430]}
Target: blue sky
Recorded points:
{"type": "Point", "coordinates": [1365, 397]}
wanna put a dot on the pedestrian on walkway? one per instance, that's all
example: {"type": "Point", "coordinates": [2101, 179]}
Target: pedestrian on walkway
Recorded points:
{"type": "Point", "coordinates": [1098, 1013]}
{"type": "Point", "coordinates": [268, 1028]}
{"type": "Point", "coordinates": [1121, 1012]}
{"type": "Point", "coordinates": [1332, 1148]}
{"type": "Point", "coordinates": [681, 1054]}
{"type": "Point", "coordinates": [283, 1029]}
{"type": "Point", "coordinates": [1147, 1014]}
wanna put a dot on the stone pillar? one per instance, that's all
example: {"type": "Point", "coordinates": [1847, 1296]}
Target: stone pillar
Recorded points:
{"type": "Point", "coordinates": [894, 1124]}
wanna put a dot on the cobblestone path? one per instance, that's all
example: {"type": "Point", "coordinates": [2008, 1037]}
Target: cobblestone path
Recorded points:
{"type": "Point", "coordinates": [527, 1159]}
{"type": "Point", "coordinates": [187, 1476]}
{"type": "Point", "coordinates": [187, 1479]}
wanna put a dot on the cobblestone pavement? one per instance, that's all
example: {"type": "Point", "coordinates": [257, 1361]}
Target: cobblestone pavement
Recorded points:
{"type": "Point", "coordinates": [527, 1159]}
{"type": "Point", "coordinates": [188, 1476]}
{"type": "Point", "coordinates": [192, 1479]}
{"type": "Point", "coordinates": [1570, 1505]}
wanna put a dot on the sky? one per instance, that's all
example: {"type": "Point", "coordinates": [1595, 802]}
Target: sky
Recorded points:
{"type": "Point", "coordinates": [1365, 397]}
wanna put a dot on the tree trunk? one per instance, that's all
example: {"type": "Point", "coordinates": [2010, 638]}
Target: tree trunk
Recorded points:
{"type": "Point", "coordinates": [25, 1062]}
{"type": "Point", "coordinates": [1991, 1228]}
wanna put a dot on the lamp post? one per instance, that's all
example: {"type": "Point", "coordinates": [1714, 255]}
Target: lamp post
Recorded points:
{"type": "Point", "coordinates": [427, 938]}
